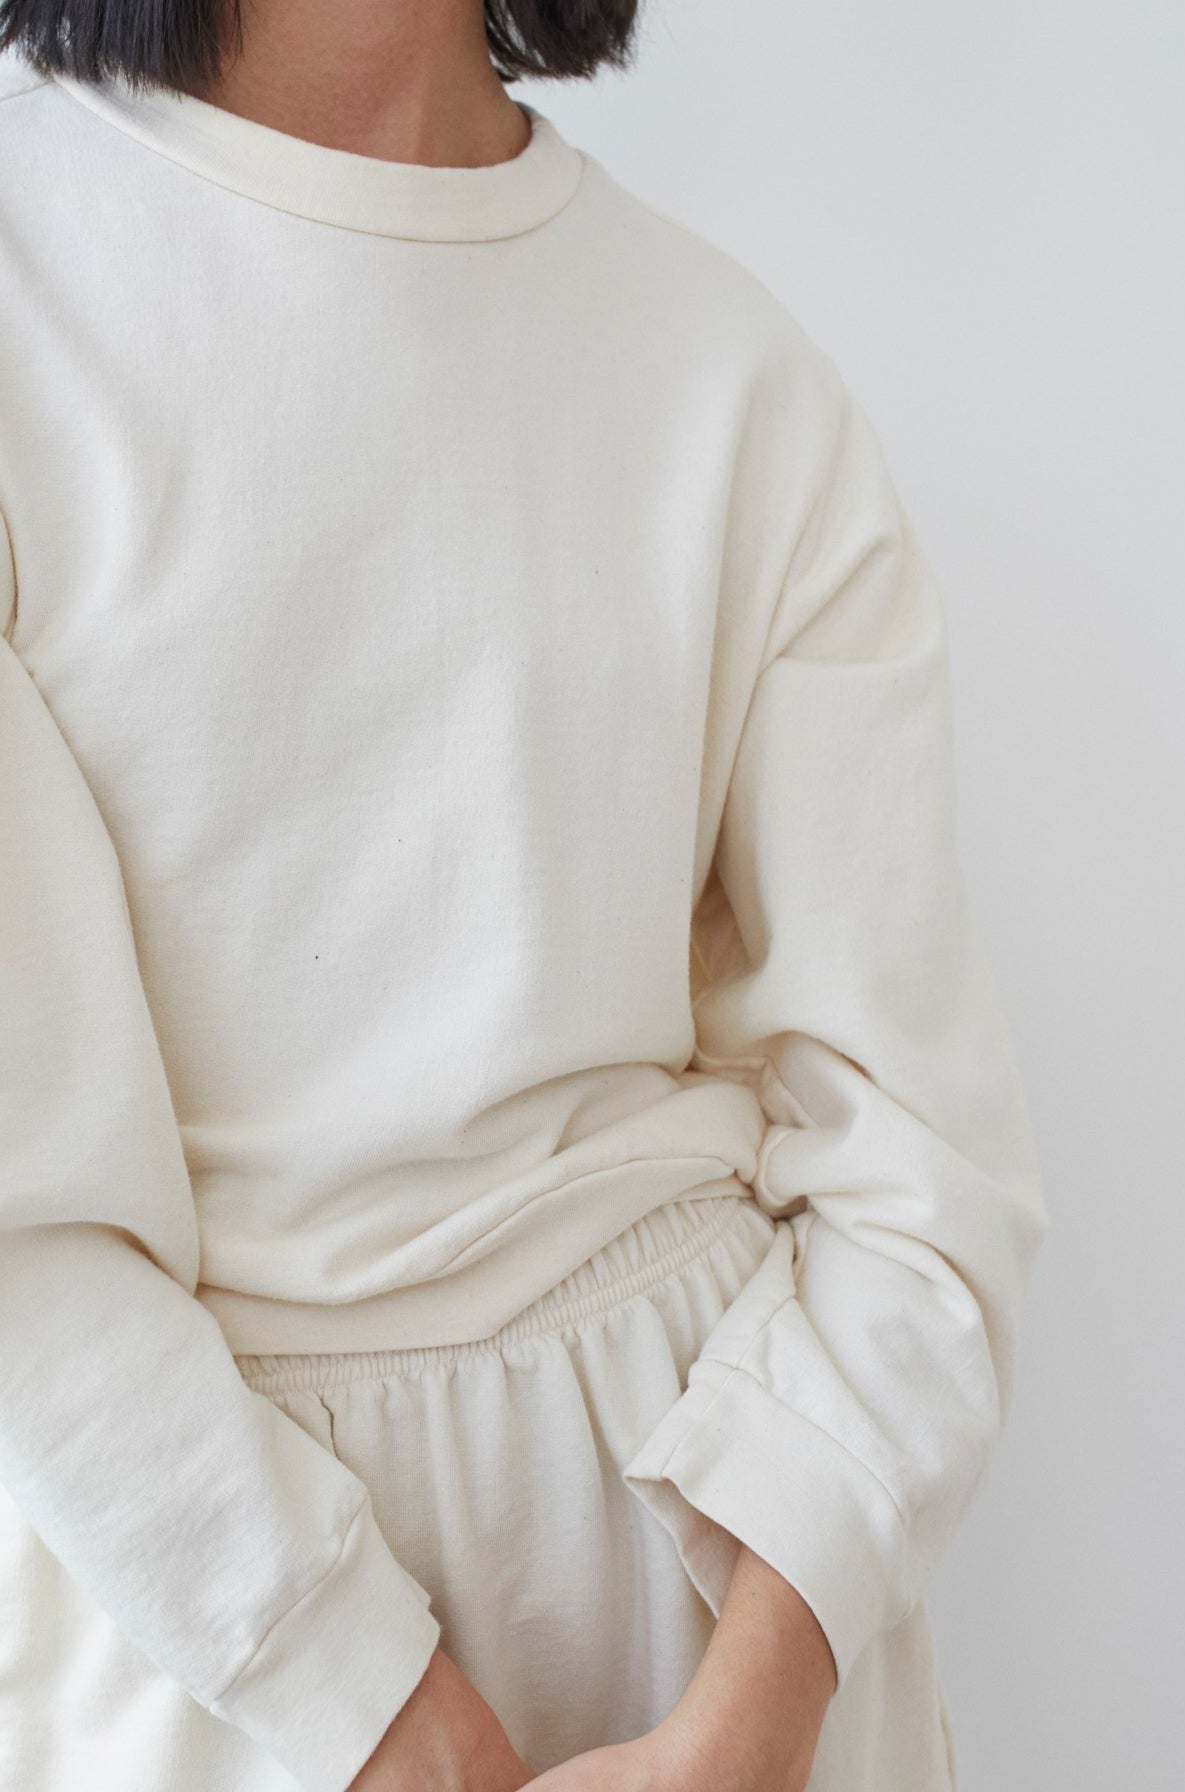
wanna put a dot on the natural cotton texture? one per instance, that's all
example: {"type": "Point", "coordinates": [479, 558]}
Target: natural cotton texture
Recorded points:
{"type": "Point", "coordinates": [496, 1470]}
{"type": "Point", "coordinates": [439, 601]}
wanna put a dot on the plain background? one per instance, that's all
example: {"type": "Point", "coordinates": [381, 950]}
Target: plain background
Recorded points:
{"type": "Point", "coordinates": [979, 213]}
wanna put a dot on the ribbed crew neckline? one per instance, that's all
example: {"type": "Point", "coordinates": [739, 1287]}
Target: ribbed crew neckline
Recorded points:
{"type": "Point", "coordinates": [336, 186]}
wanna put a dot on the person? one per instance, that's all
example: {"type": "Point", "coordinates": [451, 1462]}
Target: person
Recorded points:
{"type": "Point", "coordinates": [517, 1189]}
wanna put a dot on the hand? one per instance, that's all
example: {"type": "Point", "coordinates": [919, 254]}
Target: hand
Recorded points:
{"type": "Point", "coordinates": [673, 1758]}
{"type": "Point", "coordinates": [670, 1759]}
{"type": "Point", "coordinates": [445, 1738]}
{"type": "Point", "coordinates": [646, 1765]}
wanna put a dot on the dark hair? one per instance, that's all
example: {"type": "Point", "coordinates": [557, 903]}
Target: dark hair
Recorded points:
{"type": "Point", "coordinates": [173, 43]}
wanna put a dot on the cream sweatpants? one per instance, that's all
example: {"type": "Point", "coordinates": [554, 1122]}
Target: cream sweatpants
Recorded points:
{"type": "Point", "coordinates": [495, 1472]}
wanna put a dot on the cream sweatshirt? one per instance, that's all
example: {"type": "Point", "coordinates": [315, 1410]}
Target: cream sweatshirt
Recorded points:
{"type": "Point", "coordinates": [476, 764]}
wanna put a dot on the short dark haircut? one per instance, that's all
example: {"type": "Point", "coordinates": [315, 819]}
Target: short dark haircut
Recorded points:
{"type": "Point", "coordinates": [176, 43]}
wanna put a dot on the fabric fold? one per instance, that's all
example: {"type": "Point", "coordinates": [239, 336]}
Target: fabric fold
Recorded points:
{"type": "Point", "coordinates": [231, 1546]}
{"type": "Point", "coordinates": [844, 1414]}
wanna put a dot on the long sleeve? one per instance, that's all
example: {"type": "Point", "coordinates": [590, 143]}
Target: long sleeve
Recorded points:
{"type": "Point", "coordinates": [233, 1548]}
{"type": "Point", "coordinates": [843, 1413]}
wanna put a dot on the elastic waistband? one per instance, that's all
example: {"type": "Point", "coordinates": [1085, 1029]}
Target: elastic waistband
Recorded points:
{"type": "Point", "coordinates": [654, 1248]}
{"type": "Point", "coordinates": [518, 1263]}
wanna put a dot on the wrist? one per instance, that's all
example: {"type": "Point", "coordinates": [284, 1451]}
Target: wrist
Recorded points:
{"type": "Point", "coordinates": [703, 1746]}
{"type": "Point", "coordinates": [752, 1713]}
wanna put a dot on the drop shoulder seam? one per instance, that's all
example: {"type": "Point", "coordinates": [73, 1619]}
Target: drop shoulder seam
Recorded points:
{"type": "Point", "coordinates": [33, 85]}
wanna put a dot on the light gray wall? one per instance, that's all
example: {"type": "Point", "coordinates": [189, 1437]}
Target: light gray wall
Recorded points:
{"type": "Point", "coordinates": [978, 212]}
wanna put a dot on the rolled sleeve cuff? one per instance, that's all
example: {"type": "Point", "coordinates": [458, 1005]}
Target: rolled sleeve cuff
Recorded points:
{"type": "Point", "coordinates": [333, 1672]}
{"type": "Point", "coordinates": [732, 1464]}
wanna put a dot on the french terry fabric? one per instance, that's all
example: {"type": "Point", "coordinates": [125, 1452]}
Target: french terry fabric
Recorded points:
{"type": "Point", "coordinates": [496, 1471]}
{"type": "Point", "coordinates": [475, 767]}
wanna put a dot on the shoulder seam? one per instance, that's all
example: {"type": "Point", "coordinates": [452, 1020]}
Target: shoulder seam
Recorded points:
{"type": "Point", "coordinates": [656, 211]}
{"type": "Point", "coordinates": [700, 241]}
{"type": "Point", "coordinates": [33, 82]}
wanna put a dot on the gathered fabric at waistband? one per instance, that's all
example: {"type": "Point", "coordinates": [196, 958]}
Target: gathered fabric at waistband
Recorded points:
{"type": "Point", "coordinates": [655, 1247]}
{"type": "Point", "coordinates": [514, 1264]}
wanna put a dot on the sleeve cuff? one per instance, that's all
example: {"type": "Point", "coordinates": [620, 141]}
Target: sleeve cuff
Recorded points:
{"type": "Point", "coordinates": [332, 1673]}
{"type": "Point", "coordinates": [732, 1464]}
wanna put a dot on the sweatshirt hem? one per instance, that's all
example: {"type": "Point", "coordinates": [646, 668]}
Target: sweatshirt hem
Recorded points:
{"type": "Point", "coordinates": [474, 1303]}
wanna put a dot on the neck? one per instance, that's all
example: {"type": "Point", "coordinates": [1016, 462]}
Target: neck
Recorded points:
{"type": "Point", "coordinates": [401, 80]}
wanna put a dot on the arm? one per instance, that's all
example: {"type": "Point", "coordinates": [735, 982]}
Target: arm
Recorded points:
{"type": "Point", "coordinates": [734, 1725]}
{"type": "Point", "coordinates": [733, 1729]}
{"type": "Point", "coordinates": [842, 1415]}
{"type": "Point", "coordinates": [238, 1553]}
